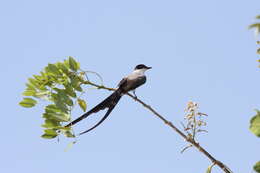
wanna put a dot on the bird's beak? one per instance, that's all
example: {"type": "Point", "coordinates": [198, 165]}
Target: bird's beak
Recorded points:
{"type": "Point", "coordinates": [149, 68]}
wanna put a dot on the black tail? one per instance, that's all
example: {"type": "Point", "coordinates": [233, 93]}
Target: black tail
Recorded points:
{"type": "Point", "coordinates": [110, 102]}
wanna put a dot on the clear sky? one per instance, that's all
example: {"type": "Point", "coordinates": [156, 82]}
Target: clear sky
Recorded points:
{"type": "Point", "coordinates": [199, 50]}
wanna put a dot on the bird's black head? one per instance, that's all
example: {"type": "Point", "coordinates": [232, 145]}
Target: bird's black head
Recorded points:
{"type": "Point", "coordinates": [142, 66]}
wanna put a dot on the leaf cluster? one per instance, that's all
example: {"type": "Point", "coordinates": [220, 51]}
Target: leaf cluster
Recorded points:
{"type": "Point", "coordinates": [257, 167]}
{"type": "Point", "coordinates": [256, 27]}
{"type": "Point", "coordinates": [255, 129]}
{"type": "Point", "coordinates": [255, 121]}
{"type": "Point", "coordinates": [60, 85]}
{"type": "Point", "coordinates": [255, 124]}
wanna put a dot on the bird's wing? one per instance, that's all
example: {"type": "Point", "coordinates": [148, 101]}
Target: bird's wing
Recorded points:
{"type": "Point", "coordinates": [122, 83]}
{"type": "Point", "coordinates": [134, 83]}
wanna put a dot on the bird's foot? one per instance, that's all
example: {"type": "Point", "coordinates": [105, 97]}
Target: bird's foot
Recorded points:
{"type": "Point", "coordinates": [135, 96]}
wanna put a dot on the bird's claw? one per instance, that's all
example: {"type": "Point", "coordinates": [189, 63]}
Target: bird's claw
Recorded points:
{"type": "Point", "coordinates": [135, 97]}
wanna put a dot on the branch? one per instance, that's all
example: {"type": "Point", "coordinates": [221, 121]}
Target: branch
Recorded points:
{"type": "Point", "coordinates": [169, 123]}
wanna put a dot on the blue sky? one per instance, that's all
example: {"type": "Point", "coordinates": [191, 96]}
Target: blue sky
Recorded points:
{"type": "Point", "coordinates": [199, 50]}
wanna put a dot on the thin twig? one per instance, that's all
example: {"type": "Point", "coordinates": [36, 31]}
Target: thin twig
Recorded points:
{"type": "Point", "coordinates": [185, 148]}
{"type": "Point", "coordinates": [169, 123]}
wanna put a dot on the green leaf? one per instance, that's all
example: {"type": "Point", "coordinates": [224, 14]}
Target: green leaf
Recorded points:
{"type": "Point", "coordinates": [210, 168]}
{"type": "Point", "coordinates": [52, 69]}
{"type": "Point", "coordinates": [42, 94]}
{"type": "Point", "coordinates": [33, 82]}
{"type": "Point", "coordinates": [61, 105]}
{"type": "Point", "coordinates": [258, 50]}
{"type": "Point", "coordinates": [58, 116]}
{"type": "Point", "coordinates": [63, 67]}
{"type": "Point", "coordinates": [28, 102]}
{"type": "Point", "coordinates": [30, 86]}
{"type": "Point", "coordinates": [82, 104]}
{"type": "Point", "coordinates": [29, 92]}
{"type": "Point", "coordinates": [63, 97]}
{"type": "Point", "coordinates": [255, 124]}
{"type": "Point", "coordinates": [38, 77]}
{"type": "Point", "coordinates": [75, 83]}
{"type": "Point", "coordinates": [52, 109]}
{"type": "Point", "coordinates": [69, 102]}
{"type": "Point", "coordinates": [257, 17]}
{"type": "Point", "coordinates": [257, 167]}
{"type": "Point", "coordinates": [78, 88]}
{"type": "Point", "coordinates": [49, 134]}
{"type": "Point", "coordinates": [70, 91]}
{"type": "Point", "coordinates": [51, 124]}
{"type": "Point", "coordinates": [255, 25]}
{"type": "Point", "coordinates": [68, 134]}
{"type": "Point", "coordinates": [73, 64]}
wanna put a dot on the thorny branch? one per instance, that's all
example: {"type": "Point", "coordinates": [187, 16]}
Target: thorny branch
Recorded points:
{"type": "Point", "coordinates": [169, 123]}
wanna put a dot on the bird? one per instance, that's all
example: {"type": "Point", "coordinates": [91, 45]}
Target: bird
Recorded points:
{"type": "Point", "coordinates": [128, 83]}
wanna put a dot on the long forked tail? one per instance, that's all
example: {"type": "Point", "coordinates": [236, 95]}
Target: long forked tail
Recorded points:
{"type": "Point", "coordinates": [110, 102]}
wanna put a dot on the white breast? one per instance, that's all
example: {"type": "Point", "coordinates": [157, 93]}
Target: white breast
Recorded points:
{"type": "Point", "coordinates": [136, 73]}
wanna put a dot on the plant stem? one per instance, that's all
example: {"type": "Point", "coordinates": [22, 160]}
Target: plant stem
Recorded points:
{"type": "Point", "coordinates": [169, 123]}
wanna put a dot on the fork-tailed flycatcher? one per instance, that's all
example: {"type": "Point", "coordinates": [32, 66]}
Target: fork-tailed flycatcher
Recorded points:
{"type": "Point", "coordinates": [128, 83]}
